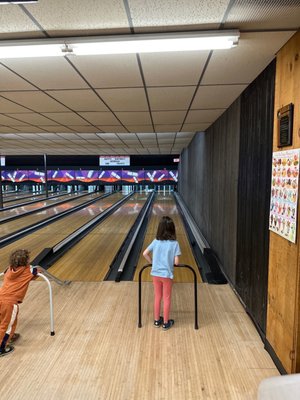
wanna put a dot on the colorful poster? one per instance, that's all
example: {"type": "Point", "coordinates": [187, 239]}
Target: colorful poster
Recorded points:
{"type": "Point", "coordinates": [157, 176]}
{"type": "Point", "coordinates": [173, 176]}
{"type": "Point", "coordinates": [61, 175]}
{"type": "Point", "coordinates": [87, 175]}
{"type": "Point", "coordinates": [17, 176]}
{"type": "Point", "coordinates": [36, 176]}
{"type": "Point", "coordinates": [109, 176]}
{"type": "Point", "coordinates": [284, 194]}
{"type": "Point", "coordinates": [132, 176]}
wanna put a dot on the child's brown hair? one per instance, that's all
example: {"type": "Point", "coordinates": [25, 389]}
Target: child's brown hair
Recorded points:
{"type": "Point", "coordinates": [19, 258]}
{"type": "Point", "coordinates": [166, 229]}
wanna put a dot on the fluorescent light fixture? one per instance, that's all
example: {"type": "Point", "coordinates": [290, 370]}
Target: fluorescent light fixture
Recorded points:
{"type": "Point", "coordinates": [18, 2]}
{"type": "Point", "coordinates": [126, 44]}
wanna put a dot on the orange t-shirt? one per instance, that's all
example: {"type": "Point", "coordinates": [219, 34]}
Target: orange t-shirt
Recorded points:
{"type": "Point", "coordinates": [16, 282]}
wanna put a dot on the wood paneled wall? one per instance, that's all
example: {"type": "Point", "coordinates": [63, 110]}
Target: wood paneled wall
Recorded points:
{"type": "Point", "coordinates": [225, 177]}
{"type": "Point", "coordinates": [283, 325]}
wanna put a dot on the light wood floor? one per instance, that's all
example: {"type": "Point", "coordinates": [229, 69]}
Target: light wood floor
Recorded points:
{"type": "Point", "coordinates": [98, 351]}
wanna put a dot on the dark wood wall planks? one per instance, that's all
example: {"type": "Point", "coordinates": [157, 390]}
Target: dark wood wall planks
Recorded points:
{"type": "Point", "coordinates": [225, 177]}
{"type": "Point", "coordinates": [256, 134]}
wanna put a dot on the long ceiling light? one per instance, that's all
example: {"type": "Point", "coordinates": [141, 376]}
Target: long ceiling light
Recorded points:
{"type": "Point", "coordinates": [144, 43]}
{"type": "Point", "coordinates": [18, 2]}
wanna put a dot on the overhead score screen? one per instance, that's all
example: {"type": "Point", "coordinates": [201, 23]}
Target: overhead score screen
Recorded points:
{"type": "Point", "coordinates": [109, 161]}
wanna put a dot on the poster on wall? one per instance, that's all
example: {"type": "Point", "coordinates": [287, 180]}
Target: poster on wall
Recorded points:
{"type": "Point", "coordinates": [284, 194]}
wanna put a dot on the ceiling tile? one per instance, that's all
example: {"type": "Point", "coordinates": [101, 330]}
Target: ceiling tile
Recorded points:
{"type": "Point", "coordinates": [143, 135]}
{"type": "Point", "coordinates": [75, 17]}
{"type": "Point", "coordinates": [110, 71]}
{"type": "Point", "coordinates": [125, 99]}
{"type": "Point", "coordinates": [168, 127]}
{"type": "Point", "coordinates": [29, 128]}
{"type": "Point", "coordinates": [257, 15]}
{"type": "Point", "coordinates": [196, 127]}
{"type": "Point", "coordinates": [244, 62]}
{"type": "Point", "coordinates": [7, 106]}
{"type": "Point", "coordinates": [216, 96]}
{"type": "Point", "coordinates": [112, 128]}
{"type": "Point", "coordinates": [56, 128]}
{"type": "Point", "coordinates": [14, 23]}
{"type": "Point", "coordinates": [166, 135]}
{"type": "Point", "coordinates": [36, 101]}
{"type": "Point", "coordinates": [5, 120]}
{"type": "Point", "coordinates": [131, 118]}
{"type": "Point", "coordinates": [67, 118]}
{"type": "Point", "coordinates": [192, 13]}
{"type": "Point", "coordinates": [47, 73]}
{"type": "Point", "coordinates": [173, 69]}
{"type": "Point", "coordinates": [79, 100]}
{"type": "Point", "coordinates": [196, 116]}
{"type": "Point", "coordinates": [168, 117]}
{"type": "Point", "coordinates": [170, 98]}
{"type": "Point", "coordinates": [139, 128]}
{"type": "Point", "coordinates": [31, 118]}
{"type": "Point", "coordinates": [6, 129]}
{"type": "Point", "coordinates": [100, 118]}
{"type": "Point", "coordinates": [84, 128]}
{"type": "Point", "coordinates": [11, 81]}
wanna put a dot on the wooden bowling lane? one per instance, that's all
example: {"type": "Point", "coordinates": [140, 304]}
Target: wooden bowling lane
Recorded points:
{"type": "Point", "coordinates": [27, 199]}
{"type": "Point", "coordinates": [20, 195]}
{"type": "Point", "coordinates": [89, 259]}
{"type": "Point", "coordinates": [20, 223]}
{"type": "Point", "coordinates": [54, 233]}
{"type": "Point", "coordinates": [36, 206]}
{"type": "Point", "coordinates": [165, 205]}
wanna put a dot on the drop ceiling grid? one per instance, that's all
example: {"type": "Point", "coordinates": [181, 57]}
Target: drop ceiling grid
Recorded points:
{"type": "Point", "coordinates": [72, 17]}
{"type": "Point", "coordinates": [47, 73]}
{"type": "Point", "coordinates": [242, 64]}
{"type": "Point", "coordinates": [258, 15]}
{"type": "Point", "coordinates": [15, 24]}
{"type": "Point", "coordinates": [192, 13]}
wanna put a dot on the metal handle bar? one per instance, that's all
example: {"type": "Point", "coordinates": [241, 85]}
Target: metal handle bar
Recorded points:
{"type": "Point", "coordinates": [52, 333]}
{"type": "Point", "coordinates": [195, 292]}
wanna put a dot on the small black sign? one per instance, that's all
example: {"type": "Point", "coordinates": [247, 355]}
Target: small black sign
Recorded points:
{"type": "Point", "coordinates": [285, 125]}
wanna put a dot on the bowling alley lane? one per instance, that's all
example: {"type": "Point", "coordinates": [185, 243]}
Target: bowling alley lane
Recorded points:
{"type": "Point", "coordinates": [51, 234]}
{"type": "Point", "coordinates": [20, 223]}
{"type": "Point", "coordinates": [165, 205]}
{"type": "Point", "coordinates": [27, 202]}
{"type": "Point", "coordinates": [89, 259]}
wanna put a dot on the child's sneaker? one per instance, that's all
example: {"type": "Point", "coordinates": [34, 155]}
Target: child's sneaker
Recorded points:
{"type": "Point", "coordinates": [7, 350]}
{"type": "Point", "coordinates": [168, 325]}
{"type": "Point", "coordinates": [159, 322]}
{"type": "Point", "coordinates": [14, 338]}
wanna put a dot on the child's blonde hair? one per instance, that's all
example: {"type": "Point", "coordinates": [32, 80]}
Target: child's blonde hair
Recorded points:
{"type": "Point", "coordinates": [19, 258]}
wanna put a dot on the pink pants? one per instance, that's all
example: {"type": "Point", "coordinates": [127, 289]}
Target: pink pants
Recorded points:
{"type": "Point", "coordinates": [162, 289]}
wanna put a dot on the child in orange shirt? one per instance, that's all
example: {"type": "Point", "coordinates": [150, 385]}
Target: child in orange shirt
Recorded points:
{"type": "Point", "coordinates": [15, 284]}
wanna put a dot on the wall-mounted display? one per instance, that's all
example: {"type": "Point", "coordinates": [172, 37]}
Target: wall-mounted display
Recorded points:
{"type": "Point", "coordinates": [284, 194]}
{"type": "Point", "coordinates": [36, 176]}
{"type": "Point", "coordinates": [157, 176]}
{"type": "Point", "coordinates": [129, 176]}
{"type": "Point", "coordinates": [119, 176]}
{"type": "Point", "coordinates": [16, 176]}
{"type": "Point", "coordinates": [107, 161]}
{"type": "Point", "coordinates": [87, 175]}
{"type": "Point", "coordinates": [61, 175]}
{"type": "Point", "coordinates": [110, 176]}
{"type": "Point", "coordinates": [173, 176]}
